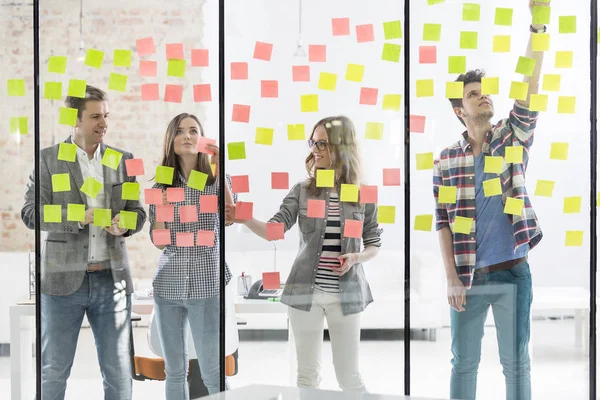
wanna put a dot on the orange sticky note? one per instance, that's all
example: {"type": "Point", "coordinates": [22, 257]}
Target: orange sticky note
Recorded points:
{"type": "Point", "coordinates": [161, 237]}
{"type": "Point", "coordinates": [317, 53]}
{"type": "Point", "coordinates": [202, 92]}
{"type": "Point", "coordinates": [145, 46]}
{"type": "Point", "coordinates": [280, 180]}
{"type": "Point", "coordinates": [391, 177]}
{"type": "Point", "coordinates": [205, 238]}
{"type": "Point", "coordinates": [340, 26]}
{"type": "Point", "coordinates": [240, 184]}
{"type": "Point", "coordinates": [175, 195]}
{"type": "Point", "coordinates": [239, 70]}
{"type": "Point", "coordinates": [153, 196]}
{"type": "Point", "coordinates": [174, 51]}
{"type": "Point", "coordinates": [188, 214]}
{"type": "Point", "coordinates": [165, 213]}
{"type": "Point", "coordinates": [365, 33]}
{"type": "Point", "coordinates": [275, 230]}
{"type": "Point", "coordinates": [316, 208]}
{"type": "Point", "coordinates": [269, 89]}
{"type": "Point", "coordinates": [184, 239]}
{"type": "Point", "coordinates": [241, 113]}
{"type": "Point", "coordinates": [243, 210]}
{"type": "Point", "coordinates": [173, 93]}
{"type": "Point", "coordinates": [263, 51]}
{"type": "Point", "coordinates": [148, 68]}
{"type": "Point", "coordinates": [134, 166]}
{"type": "Point", "coordinates": [427, 54]}
{"type": "Point", "coordinates": [368, 96]}
{"type": "Point", "coordinates": [353, 228]}
{"type": "Point", "coordinates": [203, 143]}
{"type": "Point", "coordinates": [150, 92]}
{"type": "Point", "coordinates": [271, 280]}
{"type": "Point", "coordinates": [368, 194]}
{"type": "Point", "coordinates": [301, 73]}
{"type": "Point", "coordinates": [199, 57]}
{"type": "Point", "coordinates": [417, 123]}
{"type": "Point", "coordinates": [209, 204]}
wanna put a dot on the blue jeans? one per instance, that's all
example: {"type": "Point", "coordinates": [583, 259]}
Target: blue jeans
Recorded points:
{"type": "Point", "coordinates": [108, 310]}
{"type": "Point", "coordinates": [509, 293]}
{"type": "Point", "coordinates": [203, 316]}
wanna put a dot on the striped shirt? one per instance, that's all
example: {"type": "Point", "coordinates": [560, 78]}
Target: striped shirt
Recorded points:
{"type": "Point", "coordinates": [455, 168]}
{"type": "Point", "coordinates": [326, 279]}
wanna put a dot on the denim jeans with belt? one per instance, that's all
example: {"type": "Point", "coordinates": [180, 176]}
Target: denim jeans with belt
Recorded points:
{"type": "Point", "coordinates": [509, 292]}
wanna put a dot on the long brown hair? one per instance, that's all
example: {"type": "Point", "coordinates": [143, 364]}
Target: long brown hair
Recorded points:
{"type": "Point", "coordinates": [170, 159]}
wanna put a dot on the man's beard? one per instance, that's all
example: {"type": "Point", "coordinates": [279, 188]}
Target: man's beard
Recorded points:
{"type": "Point", "coordinates": [483, 116]}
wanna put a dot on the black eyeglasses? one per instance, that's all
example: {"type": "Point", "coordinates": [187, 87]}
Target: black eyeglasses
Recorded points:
{"type": "Point", "coordinates": [321, 144]}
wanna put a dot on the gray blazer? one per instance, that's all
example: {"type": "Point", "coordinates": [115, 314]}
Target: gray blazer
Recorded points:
{"type": "Point", "coordinates": [65, 250]}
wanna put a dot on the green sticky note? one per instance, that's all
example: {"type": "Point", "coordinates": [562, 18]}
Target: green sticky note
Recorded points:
{"type": "Point", "coordinates": [518, 90]}
{"type": "Point", "coordinates": [355, 72]}
{"type": "Point", "coordinates": [454, 90]}
{"type": "Point", "coordinates": [76, 212]}
{"type": "Point", "coordinates": [16, 87]}
{"type": "Point", "coordinates": [434, 2]}
{"type": "Point", "coordinates": [567, 24]}
{"type": "Point", "coordinates": [392, 30]}
{"type": "Point", "coordinates": [91, 187]}
{"type": "Point", "coordinates": [447, 195]}
{"type": "Point", "coordinates": [76, 88]}
{"type": "Point", "coordinates": [501, 44]}
{"type": "Point", "coordinates": [52, 213]}
{"type": "Point", "coordinates": [53, 90]}
{"type": "Point", "coordinates": [432, 32]}
{"type": "Point", "coordinates": [130, 191]}
{"type": "Point", "coordinates": [349, 193]}
{"type": "Point", "coordinates": [525, 66]}
{"type": "Point", "coordinates": [424, 161]}
{"type": "Point", "coordinates": [19, 126]}
{"type": "Point", "coordinates": [471, 12]}
{"type": "Point", "coordinates": [93, 58]}
{"type": "Point", "coordinates": [504, 16]}
{"type": "Point", "coordinates": [197, 180]}
{"type": "Point", "coordinates": [559, 151]}
{"type": "Point", "coordinates": [423, 222]}
{"type": "Point", "coordinates": [462, 225]}
{"type": "Point", "coordinates": [468, 40]}
{"type": "Point", "coordinates": [541, 15]}
{"type": "Point", "coordinates": [325, 178]}
{"type": "Point", "coordinates": [540, 41]}
{"type": "Point", "coordinates": [457, 64]}
{"type": "Point", "coordinates": [327, 81]}
{"type": "Point", "coordinates": [176, 68]}
{"type": "Point", "coordinates": [538, 102]}
{"type": "Point", "coordinates": [57, 64]}
{"type": "Point", "coordinates": [128, 220]}
{"type": "Point", "coordinates": [68, 116]}
{"type": "Point", "coordinates": [386, 214]}
{"type": "Point", "coordinates": [492, 187]}
{"type": "Point", "coordinates": [374, 130]}
{"type": "Point", "coordinates": [264, 136]}
{"type": "Point", "coordinates": [391, 102]}
{"type": "Point", "coordinates": [391, 52]}
{"type": "Point", "coordinates": [102, 217]}
{"type": "Point", "coordinates": [513, 154]}
{"type": "Point", "coordinates": [67, 152]}
{"type": "Point", "coordinates": [296, 132]}
{"type": "Point", "coordinates": [111, 158]}
{"type": "Point", "coordinates": [572, 205]}
{"type": "Point", "coordinates": [513, 206]}
{"type": "Point", "coordinates": [566, 104]}
{"type": "Point", "coordinates": [490, 85]}
{"type": "Point", "coordinates": [424, 87]}
{"type": "Point", "coordinates": [117, 82]}
{"type": "Point", "coordinates": [492, 165]}
{"type": "Point", "coordinates": [61, 183]}
{"type": "Point", "coordinates": [551, 83]}
{"type": "Point", "coordinates": [574, 238]}
{"type": "Point", "coordinates": [236, 150]}
{"type": "Point", "coordinates": [122, 58]}
{"type": "Point", "coordinates": [164, 175]}
{"type": "Point", "coordinates": [544, 188]}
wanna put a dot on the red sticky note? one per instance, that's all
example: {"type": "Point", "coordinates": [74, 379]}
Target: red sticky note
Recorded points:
{"type": "Point", "coordinates": [275, 230]}
{"type": "Point", "coordinates": [271, 280]}
{"type": "Point", "coordinates": [417, 123]}
{"type": "Point", "coordinates": [148, 68]}
{"type": "Point", "coordinates": [173, 93]}
{"type": "Point", "coordinates": [153, 196]}
{"type": "Point", "coordinates": [184, 239]}
{"type": "Point", "coordinates": [353, 228]}
{"type": "Point", "coordinates": [209, 204]}
{"type": "Point", "coordinates": [263, 51]}
{"type": "Point", "coordinates": [365, 33]}
{"type": "Point", "coordinates": [145, 46]}
{"type": "Point", "coordinates": [205, 238]}
{"type": "Point", "coordinates": [301, 73]}
{"type": "Point", "coordinates": [150, 92]}
{"type": "Point", "coordinates": [243, 210]}
{"type": "Point", "coordinates": [316, 208]}
{"type": "Point", "coordinates": [391, 177]}
{"type": "Point", "coordinates": [134, 166]}
{"type": "Point", "coordinates": [240, 184]}
{"type": "Point", "coordinates": [239, 70]}
{"type": "Point", "coordinates": [161, 237]}
{"type": "Point", "coordinates": [199, 57]}
{"type": "Point", "coordinates": [317, 53]}
{"type": "Point", "coordinates": [202, 142]}
{"type": "Point", "coordinates": [175, 195]}
{"type": "Point", "coordinates": [340, 26]}
{"type": "Point", "coordinates": [165, 213]}
{"type": "Point", "coordinates": [202, 92]}
{"type": "Point", "coordinates": [368, 194]}
{"type": "Point", "coordinates": [269, 89]}
{"type": "Point", "coordinates": [368, 96]}
{"type": "Point", "coordinates": [280, 180]}
{"type": "Point", "coordinates": [188, 214]}
{"type": "Point", "coordinates": [175, 51]}
{"type": "Point", "coordinates": [427, 54]}
{"type": "Point", "coordinates": [241, 113]}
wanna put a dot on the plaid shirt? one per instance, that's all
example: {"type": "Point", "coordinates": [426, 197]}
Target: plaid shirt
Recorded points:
{"type": "Point", "coordinates": [456, 167]}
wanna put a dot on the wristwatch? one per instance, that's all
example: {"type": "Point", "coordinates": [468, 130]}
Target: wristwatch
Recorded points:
{"type": "Point", "coordinates": [533, 30]}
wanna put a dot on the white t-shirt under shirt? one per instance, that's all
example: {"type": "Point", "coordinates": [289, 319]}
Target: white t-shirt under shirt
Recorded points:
{"type": "Point", "coordinates": [327, 280]}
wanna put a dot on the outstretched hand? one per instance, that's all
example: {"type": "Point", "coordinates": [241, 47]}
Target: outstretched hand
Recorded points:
{"type": "Point", "coordinates": [538, 3]}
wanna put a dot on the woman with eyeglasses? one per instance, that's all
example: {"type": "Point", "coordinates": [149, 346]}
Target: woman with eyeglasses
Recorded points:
{"type": "Point", "coordinates": [327, 278]}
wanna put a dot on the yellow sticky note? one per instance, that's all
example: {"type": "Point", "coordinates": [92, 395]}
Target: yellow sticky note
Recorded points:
{"type": "Point", "coordinates": [501, 44]}
{"type": "Point", "coordinates": [91, 187]}
{"type": "Point", "coordinates": [16, 87]}
{"type": "Point", "coordinates": [424, 161]}
{"type": "Point", "coordinates": [349, 193]}
{"type": "Point", "coordinates": [544, 188]}
{"type": "Point", "coordinates": [423, 222]}
{"type": "Point", "coordinates": [471, 12]}
{"type": "Point", "coordinates": [164, 175]}
{"type": "Point", "coordinates": [130, 191]}
{"type": "Point", "coordinates": [540, 42]}
{"type": "Point", "coordinates": [68, 116]}
{"type": "Point", "coordinates": [264, 136]}
{"type": "Point", "coordinates": [454, 90]}
{"type": "Point", "coordinates": [52, 213]}
{"type": "Point", "coordinates": [391, 102]}
{"type": "Point", "coordinates": [424, 87]}
{"type": "Point", "coordinates": [118, 82]}
{"type": "Point", "coordinates": [374, 130]}
{"type": "Point", "coordinates": [434, 2]}
{"type": "Point", "coordinates": [197, 179]}
{"type": "Point", "coordinates": [61, 183]}
{"type": "Point", "coordinates": [391, 52]}
{"type": "Point", "coordinates": [325, 178]}
{"type": "Point", "coordinates": [76, 212]}
{"type": "Point", "coordinates": [563, 59]}
{"type": "Point", "coordinates": [513, 206]}
{"type": "Point", "coordinates": [309, 103]}
{"type": "Point", "coordinates": [432, 32]}
{"type": "Point", "coordinates": [327, 81]}
{"type": "Point", "coordinates": [541, 15]}
{"type": "Point", "coordinates": [574, 238]}
{"type": "Point", "coordinates": [462, 225]}
{"type": "Point", "coordinates": [492, 187]}
{"type": "Point", "coordinates": [490, 85]}
{"type": "Point", "coordinates": [102, 217]}
{"type": "Point", "coordinates": [447, 195]}
{"type": "Point", "coordinates": [213, 168]}
{"type": "Point", "coordinates": [559, 151]}
{"type": "Point", "coordinates": [386, 214]}
{"type": "Point", "coordinates": [538, 102]}
{"type": "Point", "coordinates": [572, 205]}
{"type": "Point", "coordinates": [518, 90]}
{"type": "Point", "coordinates": [53, 90]}
{"type": "Point", "coordinates": [57, 64]}
{"type": "Point", "coordinates": [492, 165]}
{"type": "Point", "coordinates": [551, 82]}
{"type": "Point", "coordinates": [566, 104]}
{"type": "Point", "coordinates": [111, 158]}
{"type": "Point", "coordinates": [122, 58]}
{"type": "Point", "coordinates": [513, 154]}
{"type": "Point", "coordinates": [76, 88]}
{"type": "Point", "coordinates": [567, 24]}
{"type": "Point", "coordinates": [525, 66]}
{"type": "Point", "coordinates": [176, 68]}
{"type": "Point", "coordinates": [67, 151]}
{"type": "Point", "coordinates": [468, 40]}
{"type": "Point", "coordinates": [93, 58]}
{"type": "Point", "coordinates": [457, 64]}
{"type": "Point", "coordinates": [296, 132]}
{"type": "Point", "coordinates": [503, 17]}
{"type": "Point", "coordinates": [128, 220]}
{"type": "Point", "coordinates": [19, 126]}
{"type": "Point", "coordinates": [355, 72]}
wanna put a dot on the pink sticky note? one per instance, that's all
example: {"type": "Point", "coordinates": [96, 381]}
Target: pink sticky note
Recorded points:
{"type": "Point", "coordinates": [188, 214]}
{"type": "Point", "coordinates": [427, 54]}
{"type": "Point", "coordinates": [275, 230]}
{"type": "Point", "coordinates": [316, 208]}
{"type": "Point", "coordinates": [271, 280]}
{"type": "Point", "coordinates": [148, 68]}
{"type": "Point", "coordinates": [209, 204]}
{"type": "Point", "coordinates": [202, 92]}
{"type": "Point", "coordinates": [368, 194]}
{"type": "Point", "coordinates": [145, 46]}
{"type": "Point", "coordinates": [365, 33]}
{"type": "Point", "coordinates": [173, 93]}
{"type": "Point", "coordinates": [240, 184]}
{"type": "Point", "coordinates": [280, 180]}
{"type": "Point", "coordinates": [391, 177]}
{"type": "Point", "coordinates": [301, 73]}
{"type": "Point", "coordinates": [269, 89]}
{"type": "Point", "coordinates": [243, 210]}
{"type": "Point", "coordinates": [241, 113]}
{"type": "Point", "coordinates": [175, 195]}
{"type": "Point", "coordinates": [317, 53]}
{"type": "Point", "coordinates": [165, 213]}
{"type": "Point", "coordinates": [153, 196]}
{"type": "Point", "coordinates": [263, 51]}
{"type": "Point", "coordinates": [161, 237]}
{"type": "Point", "coordinates": [184, 239]}
{"type": "Point", "coordinates": [417, 123]}
{"type": "Point", "coordinates": [239, 70]}
{"type": "Point", "coordinates": [134, 166]}
{"type": "Point", "coordinates": [199, 57]}
{"type": "Point", "coordinates": [368, 96]}
{"type": "Point", "coordinates": [353, 228]}
{"type": "Point", "coordinates": [205, 238]}
{"type": "Point", "coordinates": [175, 51]}
{"type": "Point", "coordinates": [340, 26]}
{"type": "Point", "coordinates": [202, 145]}
{"type": "Point", "coordinates": [150, 92]}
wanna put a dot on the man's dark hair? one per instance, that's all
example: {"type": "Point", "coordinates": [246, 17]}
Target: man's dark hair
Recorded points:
{"type": "Point", "coordinates": [91, 94]}
{"type": "Point", "coordinates": [471, 76]}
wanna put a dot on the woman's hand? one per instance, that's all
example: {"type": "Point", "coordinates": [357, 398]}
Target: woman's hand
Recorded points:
{"type": "Point", "coordinates": [346, 262]}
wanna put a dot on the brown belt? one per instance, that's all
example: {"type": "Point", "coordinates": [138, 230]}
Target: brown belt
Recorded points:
{"type": "Point", "coordinates": [101, 266]}
{"type": "Point", "coordinates": [500, 266]}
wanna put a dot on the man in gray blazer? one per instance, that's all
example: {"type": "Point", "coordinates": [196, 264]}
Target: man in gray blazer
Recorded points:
{"type": "Point", "coordinates": [89, 205]}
